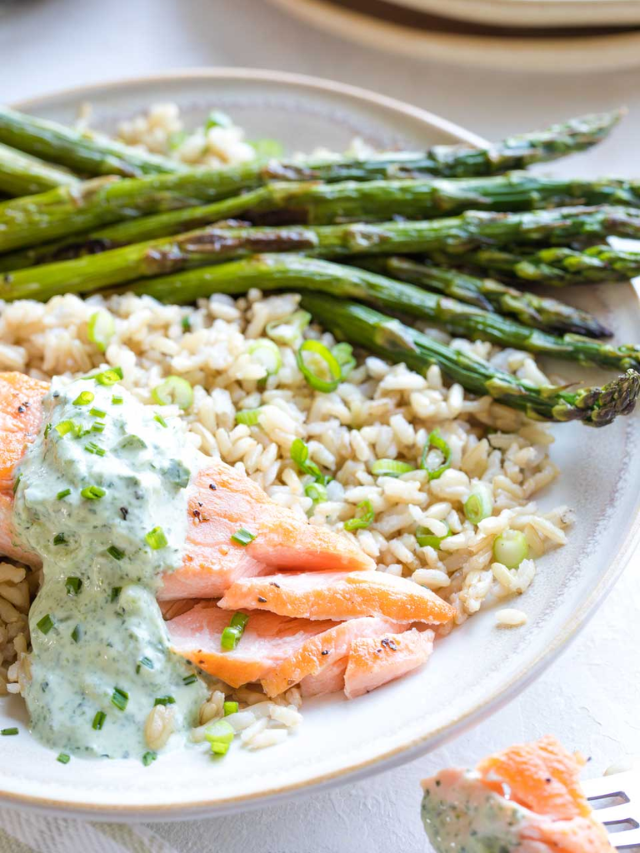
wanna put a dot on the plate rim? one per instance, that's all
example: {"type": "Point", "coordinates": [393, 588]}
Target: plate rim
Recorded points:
{"type": "Point", "coordinates": [418, 745]}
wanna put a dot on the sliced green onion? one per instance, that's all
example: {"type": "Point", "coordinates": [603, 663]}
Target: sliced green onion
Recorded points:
{"type": "Point", "coordinates": [248, 417]}
{"type": "Point", "coordinates": [190, 679]}
{"type": "Point", "coordinates": [67, 427]}
{"type": "Point", "coordinates": [98, 426]}
{"type": "Point", "coordinates": [156, 539]}
{"type": "Point", "coordinates": [300, 455]}
{"type": "Point", "coordinates": [116, 401]}
{"type": "Point", "coordinates": [220, 732]}
{"type": "Point", "coordinates": [149, 757]}
{"type": "Point", "coordinates": [98, 720]}
{"type": "Point", "coordinates": [288, 330]}
{"type": "Point", "coordinates": [174, 390]}
{"type": "Point", "coordinates": [47, 430]}
{"type": "Point", "coordinates": [164, 700]}
{"type": "Point", "coordinates": [76, 634]}
{"type": "Point", "coordinates": [115, 552]}
{"type": "Point", "coordinates": [63, 494]}
{"type": "Point", "coordinates": [159, 419]}
{"type": "Point", "coordinates": [108, 377]}
{"type": "Point", "coordinates": [17, 483]}
{"type": "Point", "coordinates": [343, 353]}
{"type": "Point", "coordinates": [391, 468]}
{"type": "Point", "coordinates": [232, 634]}
{"type": "Point", "coordinates": [511, 548]}
{"type": "Point", "coordinates": [93, 493]}
{"type": "Point", "coordinates": [323, 359]}
{"type": "Point", "coordinates": [97, 413]}
{"type": "Point", "coordinates": [479, 504]}
{"type": "Point", "coordinates": [119, 698]}
{"type": "Point", "coordinates": [8, 732]}
{"type": "Point", "coordinates": [100, 329]}
{"type": "Point", "coordinates": [217, 118]}
{"type": "Point", "coordinates": [186, 324]}
{"type": "Point", "coordinates": [95, 449]}
{"type": "Point", "coordinates": [316, 491]}
{"type": "Point", "coordinates": [425, 538]}
{"type": "Point", "coordinates": [146, 662]}
{"type": "Point", "coordinates": [63, 758]}
{"type": "Point", "coordinates": [59, 539]}
{"type": "Point", "coordinates": [267, 149]}
{"type": "Point", "coordinates": [45, 624]}
{"type": "Point", "coordinates": [219, 748]}
{"type": "Point", "coordinates": [230, 708]}
{"type": "Point", "coordinates": [115, 593]}
{"type": "Point", "coordinates": [73, 585]}
{"type": "Point", "coordinates": [362, 520]}
{"type": "Point", "coordinates": [243, 536]}
{"type": "Point", "coordinates": [84, 398]}
{"type": "Point", "coordinates": [435, 446]}
{"type": "Point", "coordinates": [267, 354]}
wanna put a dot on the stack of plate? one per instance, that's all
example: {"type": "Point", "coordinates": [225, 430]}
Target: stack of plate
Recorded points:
{"type": "Point", "coordinates": [531, 35]}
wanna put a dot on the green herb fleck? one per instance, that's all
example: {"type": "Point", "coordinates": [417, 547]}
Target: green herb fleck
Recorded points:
{"type": "Point", "coordinates": [63, 758]}
{"type": "Point", "coordinates": [45, 624]}
{"type": "Point", "coordinates": [190, 679]}
{"type": "Point", "coordinates": [93, 493]}
{"type": "Point", "coordinates": [97, 413]}
{"type": "Point", "coordinates": [84, 398]}
{"type": "Point", "coordinates": [146, 662]}
{"type": "Point", "coordinates": [164, 700]}
{"type": "Point", "coordinates": [8, 732]}
{"type": "Point", "coordinates": [59, 539]}
{"type": "Point", "coordinates": [149, 757]}
{"type": "Point", "coordinates": [115, 593]}
{"type": "Point", "coordinates": [115, 552]}
{"type": "Point", "coordinates": [119, 698]}
{"type": "Point", "coordinates": [76, 634]}
{"type": "Point", "coordinates": [63, 494]}
{"type": "Point", "coordinates": [98, 720]}
{"type": "Point", "coordinates": [230, 708]}
{"type": "Point", "coordinates": [160, 420]}
{"type": "Point", "coordinates": [156, 539]}
{"type": "Point", "coordinates": [117, 401]}
{"type": "Point", "coordinates": [73, 586]}
{"type": "Point", "coordinates": [243, 537]}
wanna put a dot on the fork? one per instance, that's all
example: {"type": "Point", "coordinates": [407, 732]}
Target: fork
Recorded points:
{"type": "Point", "coordinates": [616, 801]}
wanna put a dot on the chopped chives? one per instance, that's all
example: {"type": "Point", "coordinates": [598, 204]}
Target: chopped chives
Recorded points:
{"type": "Point", "coordinates": [59, 539]}
{"type": "Point", "coordinates": [76, 634]}
{"type": "Point", "coordinates": [63, 758]}
{"type": "Point", "coordinates": [63, 494]}
{"type": "Point", "coordinates": [47, 430]}
{"type": "Point", "coordinates": [243, 536]}
{"type": "Point", "coordinates": [220, 735]}
{"type": "Point", "coordinates": [95, 449]}
{"type": "Point", "coordinates": [97, 413]}
{"type": "Point", "coordinates": [45, 624]}
{"type": "Point", "coordinates": [93, 493]}
{"type": "Point", "coordinates": [300, 455]}
{"type": "Point", "coordinates": [119, 698]}
{"type": "Point", "coordinates": [363, 519]}
{"type": "Point", "coordinates": [108, 377]}
{"type": "Point", "coordinates": [84, 398]}
{"type": "Point", "coordinates": [100, 329]}
{"type": "Point", "coordinates": [115, 552]}
{"type": "Point", "coordinates": [186, 324]}
{"type": "Point", "coordinates": [115, 592]}
{"type": "Point", "coordinates": [160, 420]}
{"type": "Point", "coordinates": [116, 401]}
{"type": "Point", "coordinates": [146, 662]}
{"type": "Point", "coordinates": [66, 427]}
{"type": "Point", "coordinates": [391, 468]}
{"type": "Point", "coordinates": [7, 732]}
{"type": "Point", "coordinates": [190, 679]}
{"type": "Point", "coordinates": [164, 700]}
{"type": "Point", "coordinates": [156, 539]}
{"type": "Point", "coordinates": [233, 632]}
{"type": "Point", "coordinates": [73, 586]}
{"type": "Point", "coordinates": [17, 483]}
{"type": "Point", "coordinates": [149, 757]}
{"type": "Point", "coordinates": [98, 426]}
{"type": "Point", "coordinates": [230, 708]}
{"type": "Point", "coordinates": [98, 720]}
{"type": "Point", "coordinates": [436, 447]}
{"type": "Point", "coordinates": [218, 747]}
{"type": "Point", "coordinates": [248, 417]}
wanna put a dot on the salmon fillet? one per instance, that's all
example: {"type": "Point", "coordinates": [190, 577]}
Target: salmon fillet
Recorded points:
{"type": "Point", "coordinates": [276, 650]}
{"type": "Point", "coordinates": [527, 797]}
{"type": "Point", "coordinates": [338, 595]}
{"type": "Point", "coordinates": [330, 679]}
{"type": "Point", "coordinates": [376, 661]}
{"type": "Point", "coordinates": [221, 500]}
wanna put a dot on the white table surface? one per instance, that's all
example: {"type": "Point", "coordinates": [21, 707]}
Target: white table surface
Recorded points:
{"type": "Point", "coordinates": [590, 696]}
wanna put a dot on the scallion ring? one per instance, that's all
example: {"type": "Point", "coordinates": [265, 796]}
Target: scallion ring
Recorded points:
{"type": "Point", "coordinates": [323, 359]}
{"type": "Point", "coordinates": [343, 352]}
{"type": "Point", "coordinates": [479, 504]}
{"type": "Point", "coordinates": [436, 446]}
{"type": "Point", "coordinates": [267, 354]}
{"type": "Point", "coordinates": [175, 390]}
{"type": "Point", "coordinates": [288, 330]}
{"type": "Point", "coordinates": [511, 548]}
{"type": "Point", "coordinates": [364, 519]}
{"type": "Point", "coordinates": [248, 417]}
{"type": "Point", "coordinates": [317, 492]}
{"type": "Point", "coordinates": [391, 468]}
{"type": "Point", "coordinates": [426, 539]}
{"type": "Point", "coordinates": [100, 329]}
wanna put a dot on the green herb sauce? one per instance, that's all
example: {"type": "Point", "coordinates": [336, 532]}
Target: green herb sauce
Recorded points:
{"type": "Point", "coordinates": [89, 495]}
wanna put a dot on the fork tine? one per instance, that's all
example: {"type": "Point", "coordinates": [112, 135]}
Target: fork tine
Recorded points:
{"type": "Point", "coordinates": [625, 840]}
{"type": "Point", "coordinates": [609, 786]}
{"type": "Point", "coordinates": [613, 814]}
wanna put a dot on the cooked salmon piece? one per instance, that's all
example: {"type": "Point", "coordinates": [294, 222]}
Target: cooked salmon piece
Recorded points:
{"type": "Point", "coordinates": [525, 798]}
{"type": "Point", "coordinates": [322, 650]}
{"type": "Point", "coordinates": [339, 595]}
{"type": "Point", "coordinates": [268, 646]}
{"type": "Point", "coordinates": [20, 419]}
{"type": "Point", "coordinates": [330, 679]}
{"type": "Point", "coordinates": [375, 661]}
{"type": "Point", "coordinates": [213, 561]}
{"type": "Point", "coordinates": [221, 501]}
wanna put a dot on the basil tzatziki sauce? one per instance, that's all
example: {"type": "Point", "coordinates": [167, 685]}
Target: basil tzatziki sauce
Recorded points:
{"type": "Point", "coordinates": [102, 499]}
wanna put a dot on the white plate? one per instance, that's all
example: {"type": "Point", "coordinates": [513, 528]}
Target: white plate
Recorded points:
{"type": "Point", "coordinates": [474, 670]}
{"type": "Point", "coordinates": [534, 13]}
{"type": "Point", "coordinates": [543, 54]}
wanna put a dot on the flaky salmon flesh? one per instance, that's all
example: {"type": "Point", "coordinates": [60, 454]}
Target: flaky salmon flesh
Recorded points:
{"type": "Point", "coordinates": [320, 616]}
{"type": "Point", "coordinates": [526, 798]}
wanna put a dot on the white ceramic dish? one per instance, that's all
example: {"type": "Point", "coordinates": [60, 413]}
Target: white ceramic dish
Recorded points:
{"type": "Point", "coordinates": [534, 13]}
{"type": "Point", "coordinates": [542, 54]}
{"type": "Point", "coordinates": [474, 670]}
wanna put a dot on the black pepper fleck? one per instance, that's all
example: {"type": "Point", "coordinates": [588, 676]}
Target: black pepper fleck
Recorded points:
{"type": "Point", "coordinates": [273, 583]}
{"type": "Point", "coordinates": [262, 600]}
{"type": "Point", "coordinates": [124, 512]}
{"type": "Point", "coordinates": [213, 487]}
{"type": "Point", "coordinates": [21, 409]}
{"type": "Point", "coordinates": [324, 652]}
